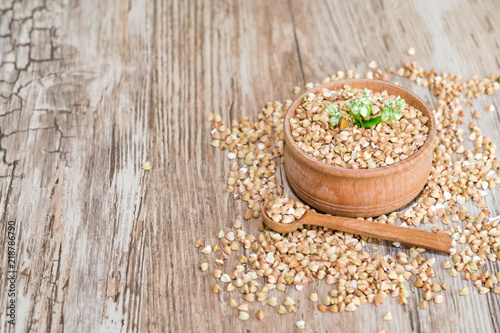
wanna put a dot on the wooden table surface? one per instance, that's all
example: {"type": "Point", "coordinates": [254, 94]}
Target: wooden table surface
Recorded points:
{"type": "Point", "coordinates": [90, 90]}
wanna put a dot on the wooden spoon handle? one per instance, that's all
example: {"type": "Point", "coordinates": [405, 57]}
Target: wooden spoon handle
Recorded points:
{"type": "Point", "coordinates": [434, 241]}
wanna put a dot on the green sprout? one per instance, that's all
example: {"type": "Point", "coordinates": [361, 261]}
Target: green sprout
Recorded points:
{"type": "Point", "coordinates": [361, 108]}
{"type": "Point", "coordinates": [361, 111]}
{"type": "Point", "coordinates": [392, 110]}
{"type": "Point", "coordinates": [334, 113]}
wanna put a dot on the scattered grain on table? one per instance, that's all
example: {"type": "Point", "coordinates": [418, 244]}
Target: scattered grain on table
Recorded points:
{"type": "Point", "coordinates": [465, 169]}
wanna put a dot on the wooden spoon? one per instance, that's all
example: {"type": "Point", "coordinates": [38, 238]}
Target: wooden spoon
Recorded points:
{"type": "Point", "coordinates": [440, 241]}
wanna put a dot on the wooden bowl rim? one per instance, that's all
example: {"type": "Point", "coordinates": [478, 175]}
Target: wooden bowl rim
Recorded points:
{"type": "Point", "coordinates": [360, 173]}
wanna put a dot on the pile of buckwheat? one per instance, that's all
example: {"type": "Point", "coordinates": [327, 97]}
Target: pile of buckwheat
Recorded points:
{"type": "Point", "coordinates": [285, 209]}
{"type": "Point", "coordinates": [281, 261]}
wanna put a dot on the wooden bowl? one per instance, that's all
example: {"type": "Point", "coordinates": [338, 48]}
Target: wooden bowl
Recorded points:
{"type": "Point", "coordinates": [359, 192]}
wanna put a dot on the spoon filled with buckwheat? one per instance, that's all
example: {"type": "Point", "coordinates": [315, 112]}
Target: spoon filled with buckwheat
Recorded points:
{"type": "Point", "coordinates": [284, 214]}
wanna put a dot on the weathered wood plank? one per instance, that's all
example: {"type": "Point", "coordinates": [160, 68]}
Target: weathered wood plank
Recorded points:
{"type": "Point", "coordinates": [76, 137]}
{"type": "Point", "coordinates": [89, 90]}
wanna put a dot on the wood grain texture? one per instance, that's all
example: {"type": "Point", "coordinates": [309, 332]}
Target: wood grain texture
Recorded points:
{"type": "Point", "coordinates": [90, 90]}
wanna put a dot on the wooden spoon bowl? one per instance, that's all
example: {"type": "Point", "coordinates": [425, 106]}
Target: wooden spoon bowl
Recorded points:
{"type": "Point", "coordinates": [359, 192]}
